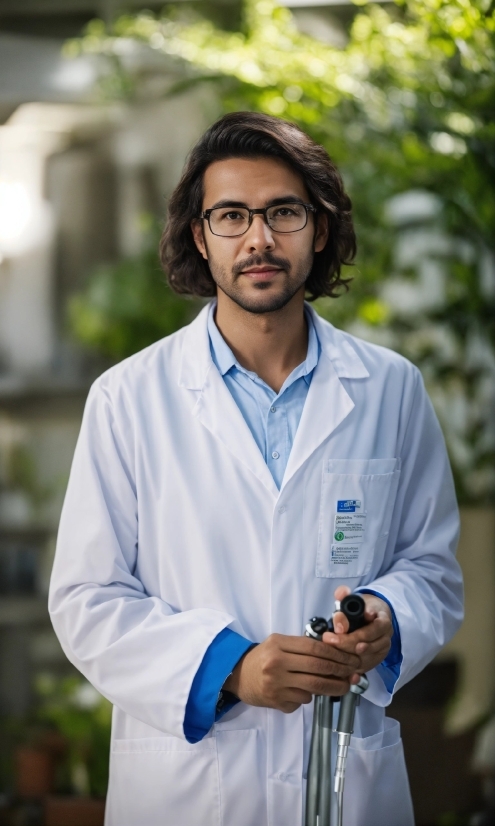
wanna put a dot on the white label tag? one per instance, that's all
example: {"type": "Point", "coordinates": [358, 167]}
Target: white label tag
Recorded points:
{"type": "Point", "coordinates": [344, 554]}
{"type": "Point", "coordinates": [349, 524]}
{"type": "Point", "coordinates": [349, 528]}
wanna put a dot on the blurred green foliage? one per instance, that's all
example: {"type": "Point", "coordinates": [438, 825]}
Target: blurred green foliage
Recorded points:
{"type": "Point", "coordinates": [21, 474]}
{"type": "Point", "coordinates": [83, 718]}
{"type": "Point", "coordinates": [406, 106]}
{"type": "Point", "coordinates": [129, 305]}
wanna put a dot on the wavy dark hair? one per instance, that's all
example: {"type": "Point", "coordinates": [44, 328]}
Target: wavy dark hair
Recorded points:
{"type": "Point", "coordinates": [253, 135]}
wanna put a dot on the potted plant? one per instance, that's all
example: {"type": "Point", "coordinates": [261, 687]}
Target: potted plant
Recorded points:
{"type": "Point", "coordinates": [82, 717]}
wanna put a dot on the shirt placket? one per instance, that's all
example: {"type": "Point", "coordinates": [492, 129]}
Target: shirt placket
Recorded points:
{"type": "Point", "coordinates": [276, 441]}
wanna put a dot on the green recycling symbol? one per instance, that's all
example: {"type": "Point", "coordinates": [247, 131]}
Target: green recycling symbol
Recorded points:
{"type": "Point", "coordinates": [339, 536]}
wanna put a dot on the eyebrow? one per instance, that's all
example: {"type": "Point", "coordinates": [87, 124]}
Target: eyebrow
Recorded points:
{"type": "Point", "coordinates": [285, 199]}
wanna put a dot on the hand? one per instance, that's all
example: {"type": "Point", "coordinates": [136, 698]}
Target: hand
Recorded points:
{"type": "Point", "coordinates": [371, 643]}
{"type": "Point", "coordinates": [283, 672]}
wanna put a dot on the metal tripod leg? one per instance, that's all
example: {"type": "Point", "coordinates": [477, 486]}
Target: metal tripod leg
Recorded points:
{"type": "Point", "coordinates": [323, 807]}
{"type": "Point", "coordinates": [319, 783]}
{"type": "Point", "coordinates": [325, 786]}
{"type": "Point", "coordinates": [313, 781]}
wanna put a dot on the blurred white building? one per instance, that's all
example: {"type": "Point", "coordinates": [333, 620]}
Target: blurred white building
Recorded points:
{"type": "Point", "coordinates": [75, 177]}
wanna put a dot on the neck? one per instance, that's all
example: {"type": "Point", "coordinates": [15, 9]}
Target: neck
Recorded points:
{"type": "Point", "coordinates": [271, 345]}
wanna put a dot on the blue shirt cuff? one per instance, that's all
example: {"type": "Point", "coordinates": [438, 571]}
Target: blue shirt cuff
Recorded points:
{"type": "Point", "coordinates": [389, 669]}
{"type": "Point", "coordinates": [220, 659]}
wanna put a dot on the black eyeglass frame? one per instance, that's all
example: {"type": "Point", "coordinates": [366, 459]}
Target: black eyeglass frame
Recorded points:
{"type": "Point", "coordinates": [308, 208]}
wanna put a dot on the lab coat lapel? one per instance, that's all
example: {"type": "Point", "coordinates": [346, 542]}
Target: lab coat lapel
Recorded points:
{"type": "Point", "coordinates": [217, 410]}
{"type": "Point", "coordinates": [327, 403]}
{"type": "Point", "coordinates": [213, 404]}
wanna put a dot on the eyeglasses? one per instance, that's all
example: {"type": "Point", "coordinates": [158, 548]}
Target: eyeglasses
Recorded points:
{"type": "Point", "coordinates": [230, 221]}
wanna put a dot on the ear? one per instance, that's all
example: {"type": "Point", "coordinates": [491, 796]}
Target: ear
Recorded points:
{"type": "Point", "coordinates": [197, 231]}
{"type": "Point", "coordinates": [321, 234]}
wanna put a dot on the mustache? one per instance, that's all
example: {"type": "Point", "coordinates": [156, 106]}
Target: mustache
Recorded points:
{"type": "Point", "coordinates": [259, 261]}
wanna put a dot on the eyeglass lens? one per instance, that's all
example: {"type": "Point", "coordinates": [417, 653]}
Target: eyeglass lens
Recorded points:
{"type": "Point", "coordinates": [229, 221]}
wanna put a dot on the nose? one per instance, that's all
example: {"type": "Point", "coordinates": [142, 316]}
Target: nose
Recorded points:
{"type": "Point", "coordinates": [259, 235]}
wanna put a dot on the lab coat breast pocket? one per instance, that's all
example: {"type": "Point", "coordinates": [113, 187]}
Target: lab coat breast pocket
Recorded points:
{"type": "Point", "coordinates": [357, 500]}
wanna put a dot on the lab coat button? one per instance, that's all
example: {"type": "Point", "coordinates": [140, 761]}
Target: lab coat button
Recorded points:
{"type": "Point", "coordinates": [282, 508]}
{"type": "Point", "coordinates": [282, 776]}
{"type": "Point", "coordinates": [275, 454]}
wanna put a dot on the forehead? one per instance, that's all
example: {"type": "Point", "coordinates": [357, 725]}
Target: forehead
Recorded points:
{"type": "Point", "coordinates": [254, 181]}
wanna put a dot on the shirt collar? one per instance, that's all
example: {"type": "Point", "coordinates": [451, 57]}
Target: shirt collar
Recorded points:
{"type": "Point", "coordinates": [221, 353]}
{"type": "Point", "coordinates": [224, 358]}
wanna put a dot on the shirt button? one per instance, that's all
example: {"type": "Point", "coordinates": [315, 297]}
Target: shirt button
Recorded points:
{"type": "Point", "coordinates": [275, 454]}
{"type": "Point", "coordinates": [272, 409]}
{"type": "Point", "coordinates": [282, 776]}
{"type": "Point", "coordinates": [282, 508]}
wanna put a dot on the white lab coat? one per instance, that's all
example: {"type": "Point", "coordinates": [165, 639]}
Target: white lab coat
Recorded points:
{"type": "Point", "coordinates": [173, 529]}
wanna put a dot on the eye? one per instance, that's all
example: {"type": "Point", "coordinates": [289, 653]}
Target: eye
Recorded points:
{"type": "Point", "coordinates": [231, 215]}
{"type": "Point", "coordinates": [284, 212]}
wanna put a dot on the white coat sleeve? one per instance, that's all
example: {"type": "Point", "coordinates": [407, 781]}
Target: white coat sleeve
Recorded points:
{"type": "Point", "coordinates": [132, 647]}
{"type": "Point", "coordinates": [421, 577]}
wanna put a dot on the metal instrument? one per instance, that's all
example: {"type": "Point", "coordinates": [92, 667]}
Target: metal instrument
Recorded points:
{"type": "Point", "coordinates": [319, 804]}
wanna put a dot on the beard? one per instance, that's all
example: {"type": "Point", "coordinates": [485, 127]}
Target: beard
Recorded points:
{"type": "Point", "coordinates": [266, 298]}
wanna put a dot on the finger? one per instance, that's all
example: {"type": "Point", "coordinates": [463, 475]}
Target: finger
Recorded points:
{"type": "Point", "coordinates": [341, 591]}
{"type": "Point", "coordinates": [375, 605]}
{"type": "Point", "coordinates": [340, 622]}
{"type": "Point", "coordinates": [316, 665]}
{"type": "Point", "coordinates": [377, 629]}
{"type": "Point", "coordinates": [381, 626]}
{"type": "Point", "coordinates": [339, 642]}
{"type": "Point", "coordinates": [315, 648]}
{"type": "Point", "coordinates": [370, 660]}
{"type": "Point", "coordinates": [373, 647]}
{"type": "Point", "coordinates": [325, 668]}
{"type": "Point", "coordinates": [371, 657]}
{"type": "Point", "coordinates": [297, 695]}
{"type": "Point", "coordinates": [379, 642]}
{"type": "Point", "coordinates": [287, 707]}
{"type": "Point", "coordinates": [326, 686]}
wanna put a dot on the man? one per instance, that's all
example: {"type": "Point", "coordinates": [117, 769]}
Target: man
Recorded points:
{"type": "Point", "coordinates": [228, 481]}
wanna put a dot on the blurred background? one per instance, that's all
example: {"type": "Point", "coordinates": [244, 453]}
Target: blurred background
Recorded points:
{"type": "Point", "coordinates": [100, 101]}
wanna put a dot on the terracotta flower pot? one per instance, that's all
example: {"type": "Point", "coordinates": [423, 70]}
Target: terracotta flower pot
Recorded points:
{"type": "Point", "coordinates": [34, 772]}
{"type": "Point", "coordinates": [74, 811]}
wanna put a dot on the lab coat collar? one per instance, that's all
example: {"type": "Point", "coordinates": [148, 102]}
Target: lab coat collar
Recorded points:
{"type": "Point", "coordinates": [221, 353]}
{"type": "Point", "coordinates": [214, 406]}
{"type": "Point", "coordinates": [196, 356]}
{"type": "Point", "coordinates": [197, 361]}
{"type": "Point", "coordinates": [327, 403]}
{"type": "Point", "coordinates": [338, 349]}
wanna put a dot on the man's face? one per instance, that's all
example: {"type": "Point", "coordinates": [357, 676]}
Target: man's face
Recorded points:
{"type": "Point", "coordinates": [262, 270]}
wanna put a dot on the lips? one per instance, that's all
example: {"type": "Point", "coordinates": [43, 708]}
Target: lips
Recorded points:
{"type": "Point", "coordinates": [261, 274]}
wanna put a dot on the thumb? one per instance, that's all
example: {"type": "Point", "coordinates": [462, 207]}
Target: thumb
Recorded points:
{"type": "Point", "coordinates": [340, 623]}
{"type": "Point", "coordinates": [341, 592]}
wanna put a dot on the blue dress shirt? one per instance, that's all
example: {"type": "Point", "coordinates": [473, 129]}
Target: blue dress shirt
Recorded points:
{"type": "Point", "coordinates": [273, 419]}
